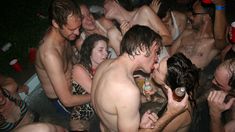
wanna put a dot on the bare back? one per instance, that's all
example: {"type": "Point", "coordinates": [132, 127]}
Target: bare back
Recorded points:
{"type": "Point", "coordinates": [53, 63]}
{"type": "Point", "coordinates": [110, 83]}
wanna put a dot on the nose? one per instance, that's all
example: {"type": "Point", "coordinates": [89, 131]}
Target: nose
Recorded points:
{"type": "Point", "coordinates": [76, 32]}
{"type": "Point", "coordinates": [155, 66]}
{"type": "Point", "coordinates": [106, 54]}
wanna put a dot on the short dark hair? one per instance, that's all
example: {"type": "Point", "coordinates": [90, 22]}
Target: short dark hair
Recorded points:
{"type": "Point", "coordinates": [59, 11]}
{"type": "Point", "coordinates": [87, 47]}
{"type": "Point", "coordinates": [138, 37]}
{"type": "Point", "coordinates": [181, 72]}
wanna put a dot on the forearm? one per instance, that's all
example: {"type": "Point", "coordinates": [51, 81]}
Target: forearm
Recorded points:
{"type": "Point", "coordinates": [216, 124]}
{"type": "Point", "coordinates": [163, 121]}
{"type": "Point", "coordinates": [75, 100]}
{"type": "Point", "coordinates": [220, 27]}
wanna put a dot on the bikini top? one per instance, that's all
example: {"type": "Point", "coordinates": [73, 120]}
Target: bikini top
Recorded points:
{"type": "Point", "coordinates": [8, 126]}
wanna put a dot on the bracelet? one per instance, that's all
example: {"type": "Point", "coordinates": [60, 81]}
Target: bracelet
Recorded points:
{"type": "Point", "coordinates": [219, 7]}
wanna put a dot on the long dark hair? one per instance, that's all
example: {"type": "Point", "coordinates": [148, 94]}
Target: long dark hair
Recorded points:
{"type": "Point", "coordinates": [181, 72]}
{"type": "Point", "coordinates": [86, 50]}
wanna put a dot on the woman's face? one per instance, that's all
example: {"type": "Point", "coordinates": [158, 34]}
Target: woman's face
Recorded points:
{"type": "Point", "coordinates": [99, 53]}
{"type": "Point", "coordinates": [160, 71]}
{"type": "Point", "coordinates": [88, 21]}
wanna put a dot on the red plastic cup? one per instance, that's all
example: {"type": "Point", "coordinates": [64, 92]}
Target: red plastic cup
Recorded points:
{"type": "Point", "coordinates": [16, 65]}
{"type": "Point", "coordinates": [207, 1]}
{"type": "Point", "coordinates": [232, 37]}
{"type": "Point", "coordinates": [32, 55]}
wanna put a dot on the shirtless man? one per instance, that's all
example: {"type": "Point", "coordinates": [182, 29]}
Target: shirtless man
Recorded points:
{"type": "Point", "coordinates": [53, 64]}
{"type": "Point", "coordinates": [225, 81]}
{"type": "Point", "coordinates": [142, 16]}
{"type": "Point", "coordinates": [115, 95]}
{"type": "Point", "coordinates": [198, 42]}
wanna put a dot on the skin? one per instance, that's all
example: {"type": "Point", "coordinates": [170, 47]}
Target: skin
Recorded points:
{"type": "Point", "coordinates": [123, 113]}
{"type": "Point", "coordinates": [120, 111]}
{"type": "Point", "coordinates": [181, 19]}
{"type": "Point", "coordinates": [41, 127]}
{"type": "Point", "coordinates": [142, 16]}
{"type": "Point", "coordinates": [89, 25]}
{"type": "Point", "coordinates": [180, 122]}
{"type": "Point", "coordinates": [197, 43]}
{"type": "Point", "coordinates": [80, 75]}
{"type": "Point", "coordinates": [11, 112]}
{"type": "Point", "coordinates": [216, 102]}
{"type": "Point", "coordinates": [53, 68]}
{"type": "Point", "coordinates": [83, 78]}
{"type": "Point", "coordinates": [11, 85]}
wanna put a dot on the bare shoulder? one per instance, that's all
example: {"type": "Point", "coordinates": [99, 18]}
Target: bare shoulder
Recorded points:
{"type": "Point", "coordinates": [114, 31]}
{"type": "Point", "coordinates": [145, 9]}
{"type": "Point", "coordinates": [78, 68]}
{"type": "Point", "coordinates": [106, 22]}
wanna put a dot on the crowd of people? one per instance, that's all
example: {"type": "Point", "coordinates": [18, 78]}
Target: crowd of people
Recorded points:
{"type": "Point", "coordinates": [91, 68]}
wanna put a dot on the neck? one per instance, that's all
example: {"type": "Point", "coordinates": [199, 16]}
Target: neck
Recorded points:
{"type": "Point", "coordinates": [129, 62]}
{"type": "Point", "coordinates": [57, 35]}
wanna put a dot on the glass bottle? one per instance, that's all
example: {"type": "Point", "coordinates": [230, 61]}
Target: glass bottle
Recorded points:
{"type": "Point", "coordinates": [179, 93]}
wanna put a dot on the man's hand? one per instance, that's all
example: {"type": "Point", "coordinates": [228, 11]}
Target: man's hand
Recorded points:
{"type": "Point", "coordinates": [216, 102]}
{"type": "Point", "coordinates": [148, 119]}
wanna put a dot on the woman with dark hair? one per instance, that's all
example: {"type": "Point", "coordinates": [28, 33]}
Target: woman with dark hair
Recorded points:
{"type": "Point", "coordinates": [178, 71]}
{"type": "Point", "coordinates": [93, 52]}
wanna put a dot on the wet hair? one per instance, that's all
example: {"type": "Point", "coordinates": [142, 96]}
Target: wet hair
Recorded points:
{"type": "Point", "coordinates": [230, 66]}
{"type": "Point", "coordinates": [87, 47]}
{"type": "Point", "coordinates": [59, 11]}
{"type": "Point", "coordinates": [139, 38]}
{"type": "Point", "coordinates": [181, 72]}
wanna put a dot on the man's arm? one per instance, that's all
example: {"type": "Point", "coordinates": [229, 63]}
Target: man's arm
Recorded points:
{"type": "Point", "coordinates": [115, 38]}
{"type": "Point", "coordinates": [54, 68]}
{"type": "Point", "coordinates": [216, 107]}
{"type": "Point", "coordinates": [220, 24]}
{"type": "Point", "coordinates": [157, 25]}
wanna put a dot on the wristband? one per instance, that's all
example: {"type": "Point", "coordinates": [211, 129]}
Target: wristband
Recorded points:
{"type": "Point", "coordinates": [218, 7]}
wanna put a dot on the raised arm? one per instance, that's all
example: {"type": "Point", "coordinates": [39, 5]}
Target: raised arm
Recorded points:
{"type": "Point", "coordinates": [157, 25]}
{"type": "Point", "coordinates": [220, 24]}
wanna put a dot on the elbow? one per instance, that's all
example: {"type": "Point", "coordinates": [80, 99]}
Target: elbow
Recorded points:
{"type": "Point", "coordinates": [167, 40]}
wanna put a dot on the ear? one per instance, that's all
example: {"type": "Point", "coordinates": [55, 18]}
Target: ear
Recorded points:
{"type": "Point", "coordinates": [54, 23]}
